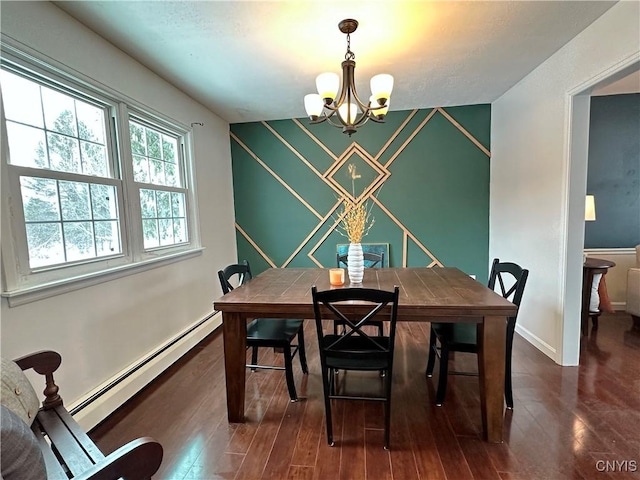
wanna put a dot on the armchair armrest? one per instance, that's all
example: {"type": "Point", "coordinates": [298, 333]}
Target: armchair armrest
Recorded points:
{"type": "Point", "coordinates": [137, 460]}
{"type": "Point", "coordinates": [45, 363]}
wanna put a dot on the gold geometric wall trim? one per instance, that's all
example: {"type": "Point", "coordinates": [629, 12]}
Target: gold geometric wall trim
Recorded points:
{"type": "Point", "coordinates": [381, 175]}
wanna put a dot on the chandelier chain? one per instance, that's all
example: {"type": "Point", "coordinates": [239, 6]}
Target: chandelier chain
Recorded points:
{"type": "Point", "coordinates": [349, 55]}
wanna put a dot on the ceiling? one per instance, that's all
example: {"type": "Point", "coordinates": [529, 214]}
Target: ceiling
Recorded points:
{"type": "Point", "coordinates": [255, 60]}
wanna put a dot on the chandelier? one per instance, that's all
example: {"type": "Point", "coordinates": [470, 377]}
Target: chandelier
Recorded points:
{"type": "Point", "coordinates": [351, 111]}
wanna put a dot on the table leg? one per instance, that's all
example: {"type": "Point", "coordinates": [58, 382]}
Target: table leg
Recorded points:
{"type": "Point", "coordinates": [491, 366]}
{"type": "Point", "coordinates": [234, 329]}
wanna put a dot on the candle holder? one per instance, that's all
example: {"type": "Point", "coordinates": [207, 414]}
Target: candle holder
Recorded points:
{"type": "Point", "coordinates": [336, 276]}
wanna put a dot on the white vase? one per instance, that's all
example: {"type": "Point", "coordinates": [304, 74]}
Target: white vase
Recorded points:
{"type": "Point", "coordinates": [355, 263]}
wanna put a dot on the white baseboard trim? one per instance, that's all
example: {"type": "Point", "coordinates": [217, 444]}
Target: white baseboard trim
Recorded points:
{"type": "Point", "coordinates": [145, 369]}
{"type": "Point", "coordinates": [610, 251]}
{"type": "Point", "coordinates": [537, 342]}
{"type": "Point", "coordinates": [619, 306]}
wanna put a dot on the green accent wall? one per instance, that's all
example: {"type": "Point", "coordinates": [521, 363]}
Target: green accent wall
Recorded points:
{"type": "Point", "coordinates": [432, 209]}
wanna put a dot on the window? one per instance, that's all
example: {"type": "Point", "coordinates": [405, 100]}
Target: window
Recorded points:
{"type": "Point", "coordinates": [84, 198]}
{"type": "Point", "coordinates": [155, 162]}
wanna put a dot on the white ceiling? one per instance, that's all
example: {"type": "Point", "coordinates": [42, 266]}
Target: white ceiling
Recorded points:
{"type": "Point", "coordinates": [251, 61]}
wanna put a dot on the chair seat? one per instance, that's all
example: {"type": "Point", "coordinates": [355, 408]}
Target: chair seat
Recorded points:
{"type": "Point", "coordinates": [272, 332]}
{"type": "Point", "coordinates": [343, 361]}
{"type": "Point", "coordinates": [463, 335]}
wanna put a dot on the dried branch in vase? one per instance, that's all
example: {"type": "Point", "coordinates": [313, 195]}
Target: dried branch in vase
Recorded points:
{"type": "Point", "coordinates": [356, 219]}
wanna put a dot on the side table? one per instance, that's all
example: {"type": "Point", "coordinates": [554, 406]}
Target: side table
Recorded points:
{"type": "Point", "coordinates": [591, 267]}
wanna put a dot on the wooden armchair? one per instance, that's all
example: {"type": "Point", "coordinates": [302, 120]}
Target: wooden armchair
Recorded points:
{"type": "Point", "coordinates": [66, 449]}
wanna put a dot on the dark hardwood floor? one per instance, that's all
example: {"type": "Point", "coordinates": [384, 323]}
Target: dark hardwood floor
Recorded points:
{"type": "Point", "coordinates": [568, 423]}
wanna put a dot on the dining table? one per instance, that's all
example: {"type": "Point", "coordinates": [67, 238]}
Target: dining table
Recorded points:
{"type": "Point", "coordinates": [442, 294]}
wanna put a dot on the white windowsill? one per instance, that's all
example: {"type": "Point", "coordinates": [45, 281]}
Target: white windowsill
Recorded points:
{"type": "Point", "coordinates": [31, 294]}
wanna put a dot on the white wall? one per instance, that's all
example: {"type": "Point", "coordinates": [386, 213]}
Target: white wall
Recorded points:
{"type": "Point", "coordinates": [538, 176]}
{"type": "Point", "coordinates": [104, 329]}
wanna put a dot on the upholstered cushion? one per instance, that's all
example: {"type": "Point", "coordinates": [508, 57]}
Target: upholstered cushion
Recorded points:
{"type": "Point", "coordinates": [17, 393]}
{"type": "Point", "coordinates": [20, 454]}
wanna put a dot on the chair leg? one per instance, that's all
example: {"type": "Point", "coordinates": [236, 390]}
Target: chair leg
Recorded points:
{"type": "Point", "coordinates": [254, 357]}
{"type": "Point", "coordinates": [327, 378]}
{"type": "Point", "coordinates": [288, 371]}
{"type": "Point", "coordinates": [432, 354]}
{"type": "Point", "coordinates": [444, 372]}
{"type": "Point", "coordinates": [301, 351]}
{"type": "Point", "coordinates": [508, 392]}
{"type": "Point", "coordinates": [387, 412]}
{"type": "Point", "coordinates": [381, 329]}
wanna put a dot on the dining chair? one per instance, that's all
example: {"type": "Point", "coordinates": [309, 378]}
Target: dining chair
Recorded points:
{"type": "Point", "coordinates": [508, 279]}
{"type": "Point", "coordinates": [269, 332]}
{"type": "Point", "coordinates": [371, 260]}
{"type": "Point", "coordinates": [355, 350]}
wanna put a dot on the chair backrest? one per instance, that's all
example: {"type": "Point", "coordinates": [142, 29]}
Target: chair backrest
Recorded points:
{"type": "Point", "coordinates": [511, 279]}
{"type": "Point", "coordinates": [354, 343]}
{"type": "Point", "coordinates": [242, 270]}
{"type": "Point", "coordinates": [371, 260]}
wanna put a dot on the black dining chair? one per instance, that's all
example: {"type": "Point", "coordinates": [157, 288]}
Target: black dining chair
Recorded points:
{"type": "Point", "coordinates": [269, 332]}
{"type": "Point", "coordinates": [355, 350]}
{"type": "Point", "coordinates": [371, 260]}
{"type": "Point", "coordinates": [508, 279]}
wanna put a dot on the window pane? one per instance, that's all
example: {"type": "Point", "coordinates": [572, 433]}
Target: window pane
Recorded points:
{"type": "Point", "coordinates": [59, 112]}
{"type": "Point", "coordinates": [166, 231]}
{"type": "Point", "coordinates": [169, 148]}
{"type": "Point", "coordinates": [164, 220]}
{"type": "Point", "coordinates": [153, 144]}
{"type": "Point", "coordinates": [78, 240]}
{"type": "Point", "coordinates": [45, 244]}
{"type": "Point", "coordinates": [136, 133]}
{"type": "Point", "coordinates": [148, 203]}
{"type": "Point", "coordinates": [179, 230]}
{"type": "Point", "coordinates": [103, 198]}
{"type": "Point", "coordinates": [74, 200]}
{"type": "Point", "coordinates": [94, 159]}
{"type": "Point", "coordinates": [160, 152]}
{"type": "Point", "coordinates": [157, 172]}
{"type": "Point", "coordinates": [150, 229]}
{"type": "Point", "coordinates": [107, 238]}
{"type": "Point", "coordinates": [26, 146]}
{"type": "Point", "coordinates": [140, 169]}
{"type": "Point", "coordinates": [90, 122]}
{"type": "Point", "coordinates": [39, 199]}
{"type": "Point", "coordinates": [21, 98]}
{"type": "Point", "coordinates": [164, 204]}
{"type": "Point", "coordinates": [177, 204]}
{"type": "Point", "coordinates": [64, 153]}
{"type": "Point", "coordinates": [171, 175]}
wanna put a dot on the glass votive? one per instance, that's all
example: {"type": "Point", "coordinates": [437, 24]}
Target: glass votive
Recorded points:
{"type": "Point", "coordinates": [336, 276]}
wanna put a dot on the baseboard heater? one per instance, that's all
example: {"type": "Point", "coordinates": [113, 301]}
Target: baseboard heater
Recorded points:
{"type": "Point", "coordinates": [137, 367]}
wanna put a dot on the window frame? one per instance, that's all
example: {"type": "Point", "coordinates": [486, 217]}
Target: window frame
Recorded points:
{"type": "Point", "coordinates": [23, 284]}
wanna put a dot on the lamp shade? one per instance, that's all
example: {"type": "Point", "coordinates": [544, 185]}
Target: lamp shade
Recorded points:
{"type": "Point", "coordinates": [381, 86]}
{"type": "Point", "coordinates": [313, 104]}
{"type": "Point", "coordinates": [590, 208]}
{"type": "Point", "coordinates": [348, 112]}
{"type": "Point", "coordinates": [327, 85]}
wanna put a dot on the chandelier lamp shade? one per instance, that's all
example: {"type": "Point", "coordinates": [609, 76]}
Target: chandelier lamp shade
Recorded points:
{"type": "Point", "coordinates": [333, 98]}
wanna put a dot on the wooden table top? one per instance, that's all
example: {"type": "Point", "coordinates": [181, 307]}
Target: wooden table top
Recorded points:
{"type": "Point", "coordinates": [592, 262]}
{"type": "Point", "coordinates": [424, 292]}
